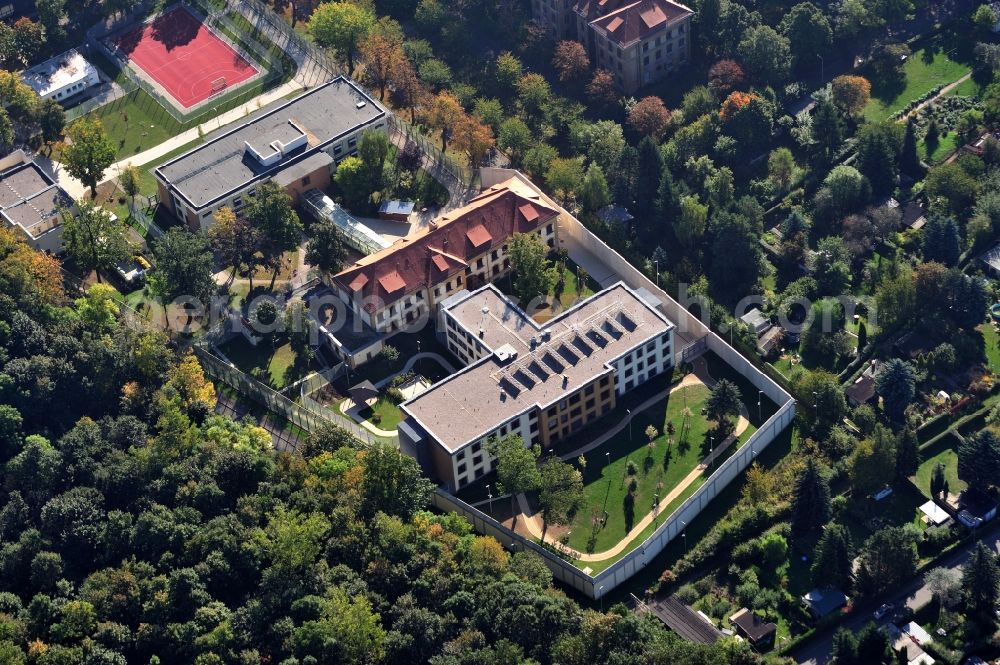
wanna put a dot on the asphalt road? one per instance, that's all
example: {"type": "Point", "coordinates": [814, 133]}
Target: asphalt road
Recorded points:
{"type": "Point", "coordinates": [913, 595]}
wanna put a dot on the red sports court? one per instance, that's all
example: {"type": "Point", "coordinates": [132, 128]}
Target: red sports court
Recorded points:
{"type": "Point", "coordinates": [181, 54]}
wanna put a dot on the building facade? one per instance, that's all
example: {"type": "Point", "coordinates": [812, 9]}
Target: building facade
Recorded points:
{"type": "Point", "coordinates": [402, 285]}
{"type": "Point", "coordinates": [297, 145]}
{"type": "Point", "coordinates": [542, 382]}
{"type": "Point", "coordinates": [639, 42]}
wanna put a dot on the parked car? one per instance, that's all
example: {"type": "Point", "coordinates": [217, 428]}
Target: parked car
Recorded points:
{"type": "Point", "coordinates": [883, 493]}
{"type": "Point", "coordinates": [884, 609]}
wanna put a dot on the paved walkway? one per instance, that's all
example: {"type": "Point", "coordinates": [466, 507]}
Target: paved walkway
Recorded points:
{"type": "Point", "coordinates": [533, 521]}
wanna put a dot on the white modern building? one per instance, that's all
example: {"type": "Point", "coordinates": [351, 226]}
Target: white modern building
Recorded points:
{"type": "Point", "coordinates": [63, 77]}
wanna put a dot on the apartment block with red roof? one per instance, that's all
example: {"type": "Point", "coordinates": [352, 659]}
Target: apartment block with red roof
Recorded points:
{"type": "Point", "coordinates": [401, 286]}
{"type": "Point", "coordinates": [638, 41]}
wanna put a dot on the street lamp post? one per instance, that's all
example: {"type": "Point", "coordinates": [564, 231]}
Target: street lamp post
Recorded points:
{"type": "Point", "coordinates": [711, 449]}
{"type": "Point", "coordinates": [489, 496]}
{"type": "Point", "coordinates": [760, 395]}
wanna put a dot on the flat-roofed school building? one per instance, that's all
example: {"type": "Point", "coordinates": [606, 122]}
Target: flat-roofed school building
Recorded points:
{"type": "Point", "coordinates": [31, 202]}
{"type": "Point", "coordinates": [62, 78]}
{"type": "Point", "coordinates": [542, 382]}
{"type": "Point", "coordinates": [297, 145]}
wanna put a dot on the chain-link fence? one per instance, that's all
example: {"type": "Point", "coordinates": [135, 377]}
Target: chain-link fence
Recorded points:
{"type": "Point", "coordinates": [272, 66]}
{"type": "Point", "coordinates": [309, 415]}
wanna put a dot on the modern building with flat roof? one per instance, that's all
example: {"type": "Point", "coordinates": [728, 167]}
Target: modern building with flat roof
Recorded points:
{"type": "Point", "coordinates": [63, 77]}
{"type": "Point", "coordinates": [296, 145]}
{"type": "Point", "coordinates": [540, 381]}
{"type": "Point", "coordinates": [31, 202]}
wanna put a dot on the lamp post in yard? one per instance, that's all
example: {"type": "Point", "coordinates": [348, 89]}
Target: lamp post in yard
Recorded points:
{"type": "Point", "coordinates": [489, 496]}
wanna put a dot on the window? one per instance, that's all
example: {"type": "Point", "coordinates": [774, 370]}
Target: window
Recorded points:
{"type": "Point", "coordinates": [476, 447]}
{"type": "Point", "coordinates": [461, 467]}
{"type": "Point", "coordinates": [305, 181]}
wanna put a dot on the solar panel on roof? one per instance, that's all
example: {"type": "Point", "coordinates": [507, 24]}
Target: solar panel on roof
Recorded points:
{"type": "Point", "coordinates": [568, 354]}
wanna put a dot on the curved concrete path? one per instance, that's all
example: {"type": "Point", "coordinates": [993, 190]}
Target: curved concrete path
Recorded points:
{"type": "Point", "coordinates": [533, 522]}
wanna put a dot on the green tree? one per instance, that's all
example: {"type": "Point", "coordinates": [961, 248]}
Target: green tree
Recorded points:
{"type": "Point", "coordinates": [236, 242]}
{"type": "Point", "coordinates": [271, 212]}
{"type": "Point", "coordinates": [88, 152]}
{"type": "Point", "coordinates": [878, 149]}
{"type": "Point", "coordinates": [825, 405]}
{"type": "Point", "coordinates": [811, 508]}
{"type": "Point", "coordinates": [565, 176]}
{"type": "Point", "coordinates": [907, 454]}
{"type": "Point", "coordinates": [723, 403]}
{"type": "Point", "coordinates": [781, 167]}
{"type": "Point", "coordinates": [515, 138]}
{"type": "Point", "coordinates": [979, 459]}
{"type": "Point", "coordinates": [955, 188]}
{"type": "Point", "coordinates": [594, 192]}
{"type": "Point", "coordinates": [560, 492]}
{"type": "Point", "coordinates": [183, 266]}
{"type": "Point", "coordinates": [129, 179]}
{"type": "Point", "coordinates": [896, 384]}
{"type": "Point", "coordinates": [516, 465]}
{"type": "Point", "coordinates": [341, 26]}
{"type": "Point", "coordinates": [689, 226]}
{"type": "Point", "coordinates": [985, 19]}
{"type": "Point", "coordinates": [808, 32]}
{"type": "Point", "coordinates": [981, 581]}
{"type": "Point", "coordinates": [535, 274]}
{"type": "Point", "coordinates": [888, 558]}
{"type": "Point", "coordinates": [93, 240]}
{"type": "Point", "coordinates": [827, 129]}
{"type": "Point", "coordinates": [833, 565]}
{"type": "Point", "coordinates": [509, 71]}
{"type": "Point", "coordinates": [873, 464]}
{"type": "Point", "coordinates": [325, 248]}
{"type": "Point", "coordinates": [766, 54]}
{"type": "Point", "coordinates": [909, 160]}
{"type": "Point", "coordinates": [393, 482]}
{"type": "Point", "coordinates": [51, 121]}
{"type": "Point", "coordinates": [737, 263]}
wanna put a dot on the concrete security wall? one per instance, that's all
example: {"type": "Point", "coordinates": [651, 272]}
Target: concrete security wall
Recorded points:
{"type": "Point", "coordinates": [584, 245]}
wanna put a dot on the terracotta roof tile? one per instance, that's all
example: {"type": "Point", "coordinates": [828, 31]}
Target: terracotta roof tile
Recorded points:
{"type": "Point", "coordinates": [424, 260]}
{"type": "Point", "coordinates": [640, 19]}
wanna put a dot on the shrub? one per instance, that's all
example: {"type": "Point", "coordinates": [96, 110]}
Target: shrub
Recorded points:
{"type": "Point", "coordinates": [631, 469]}
{"type": "Point", "coordinates": [394, 395]}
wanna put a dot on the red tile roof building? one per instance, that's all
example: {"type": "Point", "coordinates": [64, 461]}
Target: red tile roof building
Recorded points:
{"type": "Point", "coordinates": [403, 283]}
{"type": "Point", "coordinates": [639, 41]}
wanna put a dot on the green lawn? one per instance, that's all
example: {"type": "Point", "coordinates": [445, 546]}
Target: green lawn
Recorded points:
{"type": "Point", "coordinates": [948, 144]}
{"type": "Point", "coordinates": [388, 414]}
{"type": "Point", "coordinates": [991, 341]}
{"type": "Point", "coordinates": [275, 366]}
{"type": "Point", "coordinates": [949, 458]}
{"type": "Point", "coordinates": [967, 88]}
{"type": "Point", "coordinates": [572, 291]}
{"type": "Point", "coordinates": [658, 468]}
{"type": "Point", "coordinates": [926, 69]}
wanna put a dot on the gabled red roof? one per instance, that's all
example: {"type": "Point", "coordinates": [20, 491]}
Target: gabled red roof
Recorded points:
{"type": "Point", "coordinates": [444, 250]}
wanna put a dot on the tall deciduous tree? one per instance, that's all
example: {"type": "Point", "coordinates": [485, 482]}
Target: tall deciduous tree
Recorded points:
{"type": "Point", "coordinates": [93, 239]}
{"type": "Point", "coordinates": [341, 26]}
{"type": "Point", "coordinates": [325, 248]}
{"type": "Point", "coordinates": [766, 54]}
{"type": "Point", "coordinates": [393, 482]}
{"type": "Point", "coordinates": [183, 266]}
{"type": "Point", "coordinates": [808, 32]}
{"type": "Point", "coordinates": [381, 50]}
{"type": "Point", "coordinates": [560, 493]}
{"type": "Point", "coordinates": [516, 465]}
{"type": "Point", "coordinates": [594, 192]}
{"type": "Point", "coordinates": [851, 93]}
{"type": "Point", "coordinates": [237, 242]}
{"type": "Point", "coordinates": [271, 212]}
{"type": "Point", "coordinates": [535, 273]}
{"type": "Point", "coordinates": [650, 117]}
{"type": "Point", "coordinates": [570, 60]}
{"type": "Point", "coordinates": [88, 153]}
{"type": "Point", "coordinates": [444, 114]}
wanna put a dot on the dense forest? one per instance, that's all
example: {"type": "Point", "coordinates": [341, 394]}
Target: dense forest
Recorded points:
{"type": "Point", "coordinates": [138, 527]}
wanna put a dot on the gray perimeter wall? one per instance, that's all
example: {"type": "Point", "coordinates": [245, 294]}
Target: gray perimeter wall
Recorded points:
{"type": "Point", "coordinates": [584, 245]}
